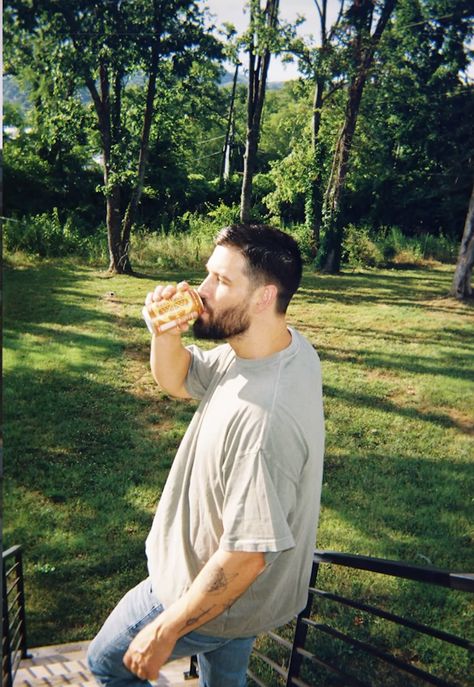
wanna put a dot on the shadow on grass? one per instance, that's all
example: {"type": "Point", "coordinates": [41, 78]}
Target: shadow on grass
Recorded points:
{"type": "Point", "coordinates": [85, 459]}
{"type": "Point", "coordinates": [363, 401]}
{"type": "Point", "coordinates": [378, 508]}
{"type": "Point", "coordinates": [420, 288]}
{"type": "Point", "coordinates": [82, 478]}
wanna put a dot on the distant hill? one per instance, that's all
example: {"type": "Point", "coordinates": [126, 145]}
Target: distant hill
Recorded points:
{"type": "Point", "coordinates": [228, 78]}
{"type": "Point", "coordinates": [17, 95]}
{"type": "Point", "coordinates": [13, 93]}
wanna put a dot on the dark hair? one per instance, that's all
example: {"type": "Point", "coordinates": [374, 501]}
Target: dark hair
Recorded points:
{"type": "Point", "coordinates": [272, 256]}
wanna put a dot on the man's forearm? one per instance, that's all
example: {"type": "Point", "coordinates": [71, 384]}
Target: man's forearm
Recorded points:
{"type": "Point", "coordinates": [225, 577]}
{"type": "Point", "coordinates": [169, 362]}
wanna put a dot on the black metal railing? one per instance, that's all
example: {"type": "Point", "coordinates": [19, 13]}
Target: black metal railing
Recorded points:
{"type": "Point", "coordinates": [353, 655]}
{"type": "Point", "coordinates": [14, 645]}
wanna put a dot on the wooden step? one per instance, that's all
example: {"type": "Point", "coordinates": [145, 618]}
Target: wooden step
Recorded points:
{"type": "Point", "coordinates": [65, 665]}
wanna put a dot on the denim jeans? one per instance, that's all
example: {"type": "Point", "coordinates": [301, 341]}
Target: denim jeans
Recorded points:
{"type": "Point", "coordinates": [222, 662]}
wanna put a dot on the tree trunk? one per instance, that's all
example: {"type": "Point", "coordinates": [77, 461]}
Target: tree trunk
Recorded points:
{"type": "Point", "coordinates": [313, 202]}
{"type": "Point", "coordinates": [225, 161]}
{"type": "Point", "coordinates": [131, 211]}
{"type": "Point", "coordinates": [258, 70]}
{"type": "Point", "coordinates": [461, 287]}
{"type": "Point", "coordinates": [330, 253]}
{"type": "Point", "coordinates": [251, 149]}
{"type": "Point", "coordinates": [118, 261]}
{"type": "Point", "coordinates": [314, 199]}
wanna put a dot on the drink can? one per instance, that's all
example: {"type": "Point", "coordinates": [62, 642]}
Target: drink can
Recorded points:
{"type": "Point", "coordinates": [168, 313]}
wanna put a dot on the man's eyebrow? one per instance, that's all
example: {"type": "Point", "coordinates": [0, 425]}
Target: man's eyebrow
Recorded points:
{"type": "Point", "coordinates": [219, 274]}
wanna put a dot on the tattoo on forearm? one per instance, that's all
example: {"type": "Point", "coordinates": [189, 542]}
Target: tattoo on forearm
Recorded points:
{"type": "Point", "coordinates": [192, 621]}
{"type": "Point", "coordinates": [230, 603]}
{"type": "Point", "coordinates": [218, 580]}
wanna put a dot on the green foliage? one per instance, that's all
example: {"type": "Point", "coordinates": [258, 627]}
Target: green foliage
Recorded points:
{"type": "Point", "coordinates": [414, 139]}
{"type": "Point", "coordinates": [305, 240]}
{"type": "Point", "coordinates": [47, 236]}
{"type": "Point", "coordinates": [174, 250]}
{"type": "Point", "coordinates": [186, 243]}
{"type": "Point", "coordinates": [363, 247]}
{"type": "Point", "coordinates": [358, 248]}
{"type": "Point", "coordinates": [223, 215]}
{"type": "Point", "coordinates": [398, 248]}
{"type": "Point", "coordinates": [37, 178]}
{"type": "Point", "coordinates": [410, 157]}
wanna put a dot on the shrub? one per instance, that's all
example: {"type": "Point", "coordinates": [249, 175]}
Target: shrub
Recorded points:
{"type": "Point", "coordinates": [47, 236]}
{"type": "Point", "coordinates": [179, 250]}
{"type": "Point", "coordinates": [440, 248]}
{"type": "Point", "coordinates": [359, 250]}
{"type": "Point", "coordinates": [415, 250]}
{"type": "Point", "coordinates": [44, 235]}
{"type": "Point", "coordinates": [305, 240]}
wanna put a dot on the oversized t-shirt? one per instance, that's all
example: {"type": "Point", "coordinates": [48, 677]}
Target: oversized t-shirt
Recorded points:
{"type": "Point", "coordinates": [247, 477]}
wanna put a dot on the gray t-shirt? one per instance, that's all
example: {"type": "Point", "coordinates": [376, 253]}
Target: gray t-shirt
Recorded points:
{"type": "Point", "coordinates": [247, 477]}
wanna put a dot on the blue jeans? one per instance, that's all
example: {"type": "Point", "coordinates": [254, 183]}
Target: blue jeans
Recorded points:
{"type": "Point", "coordinates": [222, 662]}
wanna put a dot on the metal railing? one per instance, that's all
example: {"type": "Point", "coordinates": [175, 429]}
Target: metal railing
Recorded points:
{"type": "Point", "coordinates": [298, 659]}
{"type": "Point", "coordinates": [14, 645]}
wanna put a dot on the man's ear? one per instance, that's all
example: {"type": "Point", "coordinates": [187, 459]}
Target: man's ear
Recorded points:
{"type": "Point", "coordinates": [267, 296]}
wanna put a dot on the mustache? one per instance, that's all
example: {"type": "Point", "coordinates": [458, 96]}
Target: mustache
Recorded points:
{"type": "Point", "coordinates": [206, 305]}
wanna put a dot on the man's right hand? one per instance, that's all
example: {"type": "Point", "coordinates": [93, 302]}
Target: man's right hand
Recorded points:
{"type": "Point", "coordinates": [167, 291]}
{"type": "Point", "coordinates": [169, 359]}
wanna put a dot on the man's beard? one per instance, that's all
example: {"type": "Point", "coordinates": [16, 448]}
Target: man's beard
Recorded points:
{"type": "Point", "coordinates": [225, 325]}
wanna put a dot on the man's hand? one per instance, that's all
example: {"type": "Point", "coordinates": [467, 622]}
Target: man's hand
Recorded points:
{"type": "Point", "coordinates": [147, 654]}
{"type": "Point", "coordinates": [224, 578]}
{"type": "Point", "coordinates": [169, 359]}
{"type": "Point", "coordinates": [167, 291]}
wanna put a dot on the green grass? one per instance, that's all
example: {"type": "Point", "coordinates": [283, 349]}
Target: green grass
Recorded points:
{"type": "Point", "coordinates": [89, 438]}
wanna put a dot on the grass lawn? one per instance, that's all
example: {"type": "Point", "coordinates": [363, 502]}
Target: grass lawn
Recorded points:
{"type": "Point", "coordinates": [89, 438]}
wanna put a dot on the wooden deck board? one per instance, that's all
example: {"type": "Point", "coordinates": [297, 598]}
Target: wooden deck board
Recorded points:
{"type": "Point", "coordinates": [65, 665]}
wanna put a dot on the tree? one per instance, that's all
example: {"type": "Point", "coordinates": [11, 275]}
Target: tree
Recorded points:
{"type": "Point", "coordinates": [417, 114]}
{"type": "Point", "coordinates": [461, 287]}
{"type": "Point", "coordinates": [363, 44]}
{"type": "Point", "coordinates": [319, 64]}
{"type": "Point", "coordinates": [261, 37]}
{"type": "Point", "coordinates": [100, 45]}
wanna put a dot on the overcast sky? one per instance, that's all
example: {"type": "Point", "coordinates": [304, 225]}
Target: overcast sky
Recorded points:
{"type": "Point", "coordinates": [233, 11]}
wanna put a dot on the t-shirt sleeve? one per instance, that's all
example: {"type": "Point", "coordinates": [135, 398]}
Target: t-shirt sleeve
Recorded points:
{"type": "Point", "coordinates": [203, 367]}
{"type": "Point", "coordinates": [256, 507]}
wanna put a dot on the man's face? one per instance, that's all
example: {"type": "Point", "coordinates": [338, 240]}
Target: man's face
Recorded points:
{"type": "Point", "coordinates": [226, 294]}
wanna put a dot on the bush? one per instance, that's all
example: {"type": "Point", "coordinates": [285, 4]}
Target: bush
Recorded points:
{"type": "Point", "coordinates": [47, 236]}
{"type": "Point", "coordinates": [305, 240]}
{"type": "Point", "coordinates": [359, 250]}
{"type": "Point", "coordinates": [440, 248]}
{"type": "Point", "coordinates": [223, 215]}
{"type": "Point", "coordinates": [179, 250]}
{"type": "Point", "coordinates": [415, 250]}
{"type": "Point", "coordinates": [41, 234]}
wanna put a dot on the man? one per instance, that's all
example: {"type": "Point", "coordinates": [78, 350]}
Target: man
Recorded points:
{"type": "Point", "coordinates": [230, 550]}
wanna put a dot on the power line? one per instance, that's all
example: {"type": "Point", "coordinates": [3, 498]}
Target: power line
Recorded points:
{"type": "Point", "coordinates": [207, 140]}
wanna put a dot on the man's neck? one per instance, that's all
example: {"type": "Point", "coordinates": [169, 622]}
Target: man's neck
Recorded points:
{"type": "Point", "coordinates": [262, 342]}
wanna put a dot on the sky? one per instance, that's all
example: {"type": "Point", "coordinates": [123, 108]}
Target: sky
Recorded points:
{"type": "Point", "coordinates": [233, 11]}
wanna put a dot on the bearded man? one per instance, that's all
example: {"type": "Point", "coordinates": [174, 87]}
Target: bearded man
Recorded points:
{"type": "Point", "coordinates": [230, 549]}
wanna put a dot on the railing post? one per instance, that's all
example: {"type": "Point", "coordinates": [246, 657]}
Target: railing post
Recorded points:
{"type": "Point", "coordinates": [192, 673]}
{"type": "Point", "coordinates": [21, 599]}
{"type": "Point", "coordinates": [7, 679]}
{"type": "Point", "coordinates": [301, 631]}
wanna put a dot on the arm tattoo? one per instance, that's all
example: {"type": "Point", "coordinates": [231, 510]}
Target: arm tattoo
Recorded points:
{"type": "Point", "coordinates": [217, 580]}
{"type": "Point", "coordinates": [192, 621]}
{"type": "Point", "coordinates": [230, 603]}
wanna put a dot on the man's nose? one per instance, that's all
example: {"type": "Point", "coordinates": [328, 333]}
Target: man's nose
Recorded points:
{"type": "Point", "coordinates": [203, 287]}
